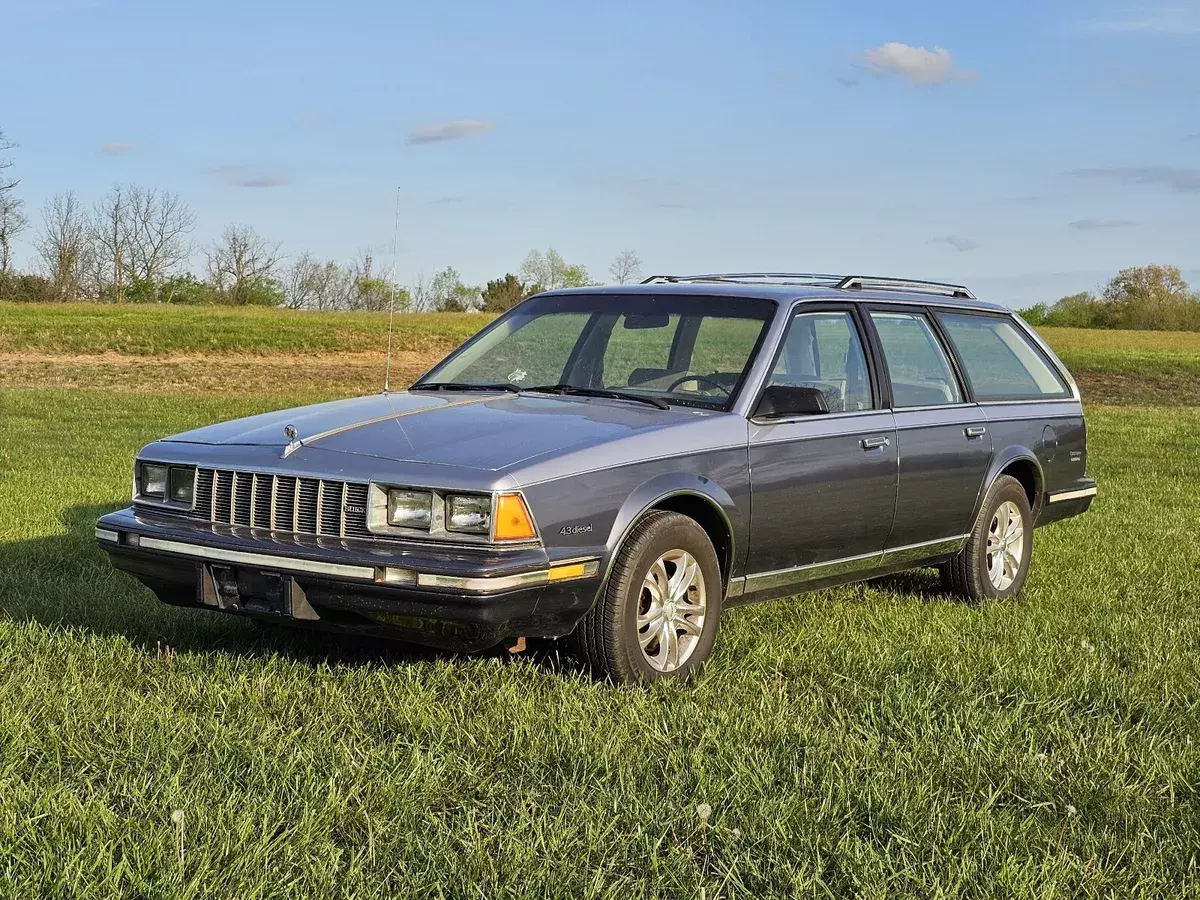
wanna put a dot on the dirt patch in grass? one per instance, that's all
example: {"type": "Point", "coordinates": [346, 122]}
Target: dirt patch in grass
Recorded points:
{"type": "Point", "coordinates": [332, 373]}
{"type": "Point", "coordinates": [1139, 388]}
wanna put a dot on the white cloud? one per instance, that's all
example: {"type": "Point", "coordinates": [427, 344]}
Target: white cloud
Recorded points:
{"type": "Point", "coordinates": [920, 67]}
{"type": "Point", "coordinates": [116, 148]}
{"type": "Point", "coordinates": [242, 176]}
{"type": "Point", "coordinates": [958, 242]}
{"type": "Point", "coordinates": [1099, 224]}
{"type": "Point", "coordinates": [1168, 20]}
{"type": "Point", "coordinates": [448, 131]}
{"type": "Point", "coordinates": [1182, 181]}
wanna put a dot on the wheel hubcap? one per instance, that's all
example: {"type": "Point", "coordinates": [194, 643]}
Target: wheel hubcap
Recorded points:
{"type": "Point", "coordinates": [1005, 545]}
{"type": "Point", "coordinates": [671, 608]}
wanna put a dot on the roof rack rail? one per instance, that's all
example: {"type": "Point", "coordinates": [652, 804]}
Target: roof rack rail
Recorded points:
{"type": "Point", "coordinates": [837, 282]}
{"type": "Point", "coordinates": [744, 277]}
{"type": "Point", "coordinates": [916, 286]}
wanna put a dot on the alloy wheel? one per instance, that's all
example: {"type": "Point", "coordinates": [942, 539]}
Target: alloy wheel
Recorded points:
{"type": "Point", "coordinates": [671, 610]}
{"type": "Point", "coordinates": [1005, 545]}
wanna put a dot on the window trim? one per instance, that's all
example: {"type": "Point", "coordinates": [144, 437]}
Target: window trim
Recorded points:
{"type": "Point", "coordinates": [1066, 393]}
{"type": "Point", "coordinates": [804, 307]}
{"type": "Point", "coordinates": [966, 397]}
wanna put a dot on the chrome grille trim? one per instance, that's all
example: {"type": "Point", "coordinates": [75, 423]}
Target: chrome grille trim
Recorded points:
{"type": "Point", "coordinates": [283, 503]}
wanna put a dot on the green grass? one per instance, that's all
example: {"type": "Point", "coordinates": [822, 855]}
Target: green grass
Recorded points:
{"type": "Point", "coordinates": [875, 741]}
{"type": "Point", "coordinates": [157, 330]}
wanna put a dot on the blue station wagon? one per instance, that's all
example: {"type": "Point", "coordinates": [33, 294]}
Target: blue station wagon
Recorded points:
{"type": "Point", "coordinates": [616, 466]}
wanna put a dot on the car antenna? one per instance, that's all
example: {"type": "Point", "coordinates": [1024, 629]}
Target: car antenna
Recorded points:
{"type": "Point", "coordinates": [387, 371]}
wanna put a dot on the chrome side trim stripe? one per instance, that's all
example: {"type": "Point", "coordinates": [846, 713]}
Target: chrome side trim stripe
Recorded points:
{"type": "Point", "coordinates": [846, 565]}
{"type": "Point", "coordinates": [285, 563]}
{"type": "Point", "coordinates": [811, 572]}
{"type": "Point", "coordinates": [103, 534]}
{"type": "Point", "coordinates": [1071, 495]}
{"type": "Point", "coordinates": [924, 550]}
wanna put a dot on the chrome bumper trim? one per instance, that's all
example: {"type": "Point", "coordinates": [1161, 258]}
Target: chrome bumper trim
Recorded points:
{"type": "Point", "coordinates": [471, 585]}
{"type": "Point", "coordinates": [241, 557]}
{"type": "Point", "coordinates": [1071, 495]}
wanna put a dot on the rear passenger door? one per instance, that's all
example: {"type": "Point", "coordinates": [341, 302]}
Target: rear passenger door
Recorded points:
{"type": "Point", "coordinates": [824, 485]}
{"type": "Point", "coordinates": [942, 436]}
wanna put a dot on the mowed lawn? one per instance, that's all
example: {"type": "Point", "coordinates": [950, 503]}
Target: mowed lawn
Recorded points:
{"type": "Point", "coordinates": [876, 741]}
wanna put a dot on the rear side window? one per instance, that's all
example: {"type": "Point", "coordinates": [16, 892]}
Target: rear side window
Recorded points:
{"type": "Point", "coordinates": [920, 372]}
{"type": "Point", "coordinates": [1000, 361]}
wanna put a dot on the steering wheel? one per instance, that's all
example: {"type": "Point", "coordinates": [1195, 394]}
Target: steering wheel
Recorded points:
{"type": "Point", "coordinates": [683, 379]}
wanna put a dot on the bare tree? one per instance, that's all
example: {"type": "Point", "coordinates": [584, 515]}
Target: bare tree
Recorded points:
{"type": "Point", "coordinates": [62, 244]}
{"type": "Point", "coordinates": [12, 217]}
{"type": "Point", "coordinates": [12, 223]}
{"type": "Point", "coordinates": [625, 267]}
{"type": "Point", "coordinates": [159, 228]}
{"type": "Point", "coordinates": [111, 238]}
{"type": "Point", "coordinates": [6, 183]}
{"type": "Point", "coordinates": [242, 265]}
{"type": "Point", "coordinates": [421, 294]}
{"type": "Point", "coordinates": [310, 283]}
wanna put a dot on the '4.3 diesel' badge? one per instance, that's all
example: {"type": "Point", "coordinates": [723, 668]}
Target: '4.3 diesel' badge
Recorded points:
{"type": "Point", "coordinates": [571, 530]}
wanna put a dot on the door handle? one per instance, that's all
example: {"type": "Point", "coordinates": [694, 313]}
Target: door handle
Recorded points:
{"type": "Point", "coordinates": [874, 443]}
{"type": "Point", "coordinates": [974, 431]}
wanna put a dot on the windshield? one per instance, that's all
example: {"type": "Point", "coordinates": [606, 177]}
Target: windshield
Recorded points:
{"type": "Point", "coordinates": [686, 350]}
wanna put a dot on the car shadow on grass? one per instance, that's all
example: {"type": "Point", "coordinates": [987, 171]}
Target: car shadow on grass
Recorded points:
{"type": "Point", "coordinates": [65, 582]}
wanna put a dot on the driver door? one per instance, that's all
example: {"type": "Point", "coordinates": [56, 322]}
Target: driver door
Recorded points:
{"type": "Point", "coordinates": [823, 485]}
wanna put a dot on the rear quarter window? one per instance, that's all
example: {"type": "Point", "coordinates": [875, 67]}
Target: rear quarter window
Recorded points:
{"type": "Point", "coordinates": [1000, 361]}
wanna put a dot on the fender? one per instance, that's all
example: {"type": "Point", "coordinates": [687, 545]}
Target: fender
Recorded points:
{"type": "Point", "coordinates": [674, 484]}
{"type": "Point", "coordinates": [1001, 460]}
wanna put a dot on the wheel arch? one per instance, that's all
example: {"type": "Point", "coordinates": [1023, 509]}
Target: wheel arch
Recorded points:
{"type": "Point", "coordinates": [1022, 464]}
{"type": "Point", "coordinates": [699, 498]}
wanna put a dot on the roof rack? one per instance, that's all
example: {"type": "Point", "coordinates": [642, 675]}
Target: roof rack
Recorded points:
{"type": "Point", "coordinates": [836, 282]}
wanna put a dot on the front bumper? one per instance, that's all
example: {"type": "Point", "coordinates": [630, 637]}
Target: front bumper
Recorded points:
{"type": "Point", "coordinates": [450, 597]}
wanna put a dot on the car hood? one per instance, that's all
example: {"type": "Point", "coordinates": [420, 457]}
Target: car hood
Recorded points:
{"type": "Point", "coordinates": [478, 431]}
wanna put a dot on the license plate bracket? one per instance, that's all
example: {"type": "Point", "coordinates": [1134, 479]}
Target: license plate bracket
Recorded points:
{"type": "Point", "coordinates": [248, 590]}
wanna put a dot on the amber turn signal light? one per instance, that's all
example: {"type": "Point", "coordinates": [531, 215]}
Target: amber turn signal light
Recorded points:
{"type": "Point", "coordinates": [513, 522]}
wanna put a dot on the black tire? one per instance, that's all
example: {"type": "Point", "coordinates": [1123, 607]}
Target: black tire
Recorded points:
{"type": "Point", "coordinates": [607, 638]}
{"type": "Point", "coordinates": [967, 574]}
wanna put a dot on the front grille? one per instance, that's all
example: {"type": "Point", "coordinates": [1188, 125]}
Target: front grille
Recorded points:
{"type": "Point", "coordinates": [282, 503]}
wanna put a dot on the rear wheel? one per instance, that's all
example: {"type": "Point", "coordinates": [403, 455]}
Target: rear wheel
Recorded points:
{"type": "Point", "coordinates": [995, 562]}
{"type": "Point", "coordinates": [660, 610]}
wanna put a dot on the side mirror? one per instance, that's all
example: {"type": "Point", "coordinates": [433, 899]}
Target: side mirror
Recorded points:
{"type": "Point", "coordinates": [782, 400]}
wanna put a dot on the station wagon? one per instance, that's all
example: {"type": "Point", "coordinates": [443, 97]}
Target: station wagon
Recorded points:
{"type": "Point", "coordinates": [617, 466]}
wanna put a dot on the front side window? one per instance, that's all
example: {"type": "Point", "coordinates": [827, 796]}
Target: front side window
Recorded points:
{"type": "Point", "coordinates": [823, 351]}
{"type": "Point", "coordinates": [920, 371]}
{"type": "Point", "coordinates": [691, 350]}
{"type": "Point", "coordinates": [999, 360]}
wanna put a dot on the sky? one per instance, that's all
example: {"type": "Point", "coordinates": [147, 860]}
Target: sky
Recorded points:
{"type": "Point", "coordinates": [1026, 149]}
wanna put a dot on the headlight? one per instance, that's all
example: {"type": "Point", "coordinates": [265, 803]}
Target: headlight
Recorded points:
{"type": "Point", "coordinates": [181, 482]}
{"type": "Point", "coordinates": [154, 481]}
{"type": "Point", "coordinates": [410, 509]}
{"type": "Point", "coordinates": [468, 514]}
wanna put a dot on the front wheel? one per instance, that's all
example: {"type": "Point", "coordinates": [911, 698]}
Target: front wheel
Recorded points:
{"type": "Point", "coordinates": [995, 562]}
{"type": "Point", "coordinates": [660, 610]}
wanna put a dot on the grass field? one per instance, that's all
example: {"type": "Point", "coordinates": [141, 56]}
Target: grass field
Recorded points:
{"type": "Point", "coordinates": [876, 741]}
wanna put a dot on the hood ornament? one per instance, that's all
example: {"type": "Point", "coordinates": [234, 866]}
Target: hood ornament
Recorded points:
{"type": "Point", "coordinates": [294, 442]}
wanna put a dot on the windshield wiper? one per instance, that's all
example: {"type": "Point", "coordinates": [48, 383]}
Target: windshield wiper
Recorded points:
{"type": "Point", "coordinates": [570, 389]}
{"type": "Point", "coordinates": [459, 386]}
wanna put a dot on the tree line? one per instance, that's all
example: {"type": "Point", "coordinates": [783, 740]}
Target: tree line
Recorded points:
{"type": "Point", "coordinates": [135, 245]}
{"type": "Point", "coordinates": [1144, 298]}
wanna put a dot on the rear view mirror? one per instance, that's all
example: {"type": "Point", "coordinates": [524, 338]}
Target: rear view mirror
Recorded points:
{"type": "Point", "coordinates": [634, 323]}
{"type": "Point", "coordinates": [782, 400]}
